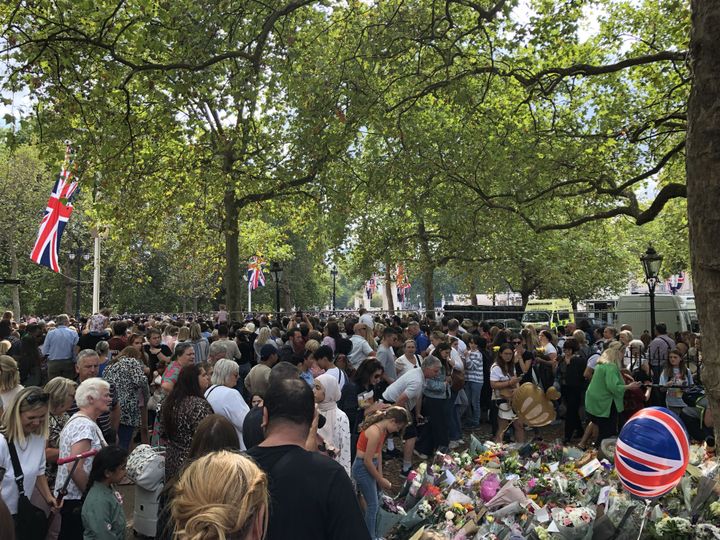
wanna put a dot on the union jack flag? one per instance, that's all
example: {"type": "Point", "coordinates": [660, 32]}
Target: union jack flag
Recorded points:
{"type": "Point", "coordinates": [402, 282]}
{"type": "Point", "coordinates": [57, 213]}
{"type": "Point", "coordinates": [256, 278]}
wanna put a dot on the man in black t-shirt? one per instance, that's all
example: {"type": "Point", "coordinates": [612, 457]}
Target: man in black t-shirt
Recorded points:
{"type": "Point", "coordinates": [311, 495]}
{"type": "Point", "coordinates": [156, 350]}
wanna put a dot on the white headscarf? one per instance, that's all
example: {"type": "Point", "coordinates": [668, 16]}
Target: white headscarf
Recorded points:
{"type": "Point", "coordinates": [328, 407]}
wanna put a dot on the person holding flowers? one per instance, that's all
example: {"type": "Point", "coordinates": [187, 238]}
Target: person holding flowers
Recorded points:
{"type": "Point", "coordinates": [367, 468]}
{"type": "Point", "coordinates": [504, 383]}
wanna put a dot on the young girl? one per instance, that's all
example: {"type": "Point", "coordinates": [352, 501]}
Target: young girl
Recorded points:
{"type": "Point", "coordinates": [675, 373]}
{"type": "Point", "coordinates": [367, 467]}
{"type": "Point", "coordinates": [474, 379]}
{"type": "Point", "coordinates": [504, 382]}
{"type": "Point", "coordinates": [102, 511]}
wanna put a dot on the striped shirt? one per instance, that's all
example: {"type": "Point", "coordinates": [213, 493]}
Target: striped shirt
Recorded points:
{"type": "Point", "coordinates": [474, 367]}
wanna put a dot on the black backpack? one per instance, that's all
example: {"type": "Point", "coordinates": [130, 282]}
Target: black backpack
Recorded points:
{"type": "Point", "coordinates": [348, 402]}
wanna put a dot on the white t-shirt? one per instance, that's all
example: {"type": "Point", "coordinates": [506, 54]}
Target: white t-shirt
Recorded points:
{"type": "Point", "coordinates": [360, 350]}
{"type": "Point", "coordinates": [411, 384]}
{"type": "Point", "coordinates": [462, 347]}
{"type": "Point", "coordinates": [229, 403]}
{"type": "Point", "coordinates": [550, 349]}
{"type": "Point", "coordinates": [402, 364]}
{"type": "Point", "coordinates": [592, 361]}
{"type": "Point", "coordinates": [340, 377]}
{"type": "Point", "coordinates": [6, 398]}
{"type": "Point", "coordinates": [78, 428]}
{"type": "Point", "coordinates": [31, 455]}
{"type": "Point", "coordinates": [497, 375]}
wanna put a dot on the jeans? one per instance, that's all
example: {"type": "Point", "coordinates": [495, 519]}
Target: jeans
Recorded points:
{"type": "Point", "coordinates": [474, 392]}
{"type": "Point", "coordinates": [125, 434]}
{"type": "Point", "coordinates": [369, 489]}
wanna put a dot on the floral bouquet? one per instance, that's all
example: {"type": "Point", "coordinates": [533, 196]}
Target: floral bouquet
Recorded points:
{"type": "Point", "coordinates": [573, 522]}
{"type": "Point", "coordinates": [676, 528]}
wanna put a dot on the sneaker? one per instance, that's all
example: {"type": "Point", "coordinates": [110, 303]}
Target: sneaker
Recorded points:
{"type": "Point", "coordinates": [405, 472]}
{"type": "Point", "coordinates": [455, 444]}
{"type": "Point", "coordinates": [420, 455]}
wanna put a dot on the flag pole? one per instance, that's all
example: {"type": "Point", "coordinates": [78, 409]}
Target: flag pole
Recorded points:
{"type": "Point", "coordinates": [249, 295]}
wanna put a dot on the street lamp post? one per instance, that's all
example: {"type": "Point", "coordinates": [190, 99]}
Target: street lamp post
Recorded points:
{"type": "Point", "coordinates": [334, 273]}
{"type": "Point", "coordinates": [78, 254]}
{"type": "Point", "coordinates": [651, 262]}
{"type": "Point", "coordinates": [277, 270]}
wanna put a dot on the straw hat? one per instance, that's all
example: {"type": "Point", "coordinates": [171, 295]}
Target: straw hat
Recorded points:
{"type": "Point", "coordinates": [533, 406]}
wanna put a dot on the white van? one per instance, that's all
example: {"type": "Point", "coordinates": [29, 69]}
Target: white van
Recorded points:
{"type": "Point", "coordinates": [634, 309]}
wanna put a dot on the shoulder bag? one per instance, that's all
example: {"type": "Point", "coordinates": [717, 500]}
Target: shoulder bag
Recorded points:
{"type": "Point", "coordinates": [30, 522]}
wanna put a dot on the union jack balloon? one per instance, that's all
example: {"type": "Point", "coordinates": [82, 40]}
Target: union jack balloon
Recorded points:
{"type": "Point", "coordinates": [652, 452]}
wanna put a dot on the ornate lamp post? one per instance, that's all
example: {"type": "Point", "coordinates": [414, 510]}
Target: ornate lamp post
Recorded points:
{"type": "Point", "coordinates": [334, 273]}
{"type": "Point", "coordinates": [651, 262]}
{"type": "Point", "coordinates": [277, 271]}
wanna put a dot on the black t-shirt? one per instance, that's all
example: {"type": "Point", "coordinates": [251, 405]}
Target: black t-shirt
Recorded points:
{"type": "Point", "coordinates": [311, 496]}
{"type": "Point", "coordinates": [253, 433]}
{"type": "Point", "coordinates": [90, 341]}
{"type": "Point", "coordinates": [153, 359]}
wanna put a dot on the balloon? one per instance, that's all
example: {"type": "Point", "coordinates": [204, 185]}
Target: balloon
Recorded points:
{"type": "Point", "coordinates": [652, 452]}
{"type": "Point", "coordinates": [533, 406]}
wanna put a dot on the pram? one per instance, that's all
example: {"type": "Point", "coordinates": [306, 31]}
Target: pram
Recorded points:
{"type": "Point", "coordinates": [146, 467]}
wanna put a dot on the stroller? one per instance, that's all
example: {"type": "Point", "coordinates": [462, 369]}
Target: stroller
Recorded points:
{"type": "Point", "coordinates": [146, 467]}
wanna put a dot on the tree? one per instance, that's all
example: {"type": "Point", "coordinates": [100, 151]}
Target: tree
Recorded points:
{"type": "Point", "coordinates": [703, 182]}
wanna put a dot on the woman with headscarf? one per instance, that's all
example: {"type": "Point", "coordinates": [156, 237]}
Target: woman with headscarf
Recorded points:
{"type": "Point", "coordinates": [336, 431]}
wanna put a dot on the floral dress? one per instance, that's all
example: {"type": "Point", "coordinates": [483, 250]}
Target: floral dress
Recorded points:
{"type": "Point", "coordinates": [132, 388]}
{"type": "Point", "coordinates": [188, 414]}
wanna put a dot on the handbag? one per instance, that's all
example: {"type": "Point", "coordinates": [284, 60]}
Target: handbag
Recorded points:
{"type": "Point", "coordinates": [457, 380]}
{"type": "Point", "coordinates": [146, 467]}
{"type": "Point", "coordinates": [31, 521]}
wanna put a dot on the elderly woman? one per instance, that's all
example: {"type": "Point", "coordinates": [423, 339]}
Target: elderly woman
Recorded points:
{"type": "Point", "coordinates": [127, 373]}
{"type": "Point", "coordinates": [223, 397]}
{"type": "Point", "coordinates": [604, 398]}
{"type": "Point", "coordinates": [184, 355]}
{"type": "Point", "coordinates": [336, 431]}
{"type": "Point", "coordinates": [80, 434]}
{"type": "Point", "coordinates": [9, 381]}
{"type": "Point", "coordinates": [23, 432]}
{"type": "Point", "coordinates": [182, 412]}
{"type": "Point", "coordinates": [61, 392]}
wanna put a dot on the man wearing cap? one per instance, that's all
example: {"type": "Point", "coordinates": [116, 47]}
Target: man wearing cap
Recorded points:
{"type": "Point", "coordinates": [59, 347]}
{"type": "Point", "coordinates": [257, 380]}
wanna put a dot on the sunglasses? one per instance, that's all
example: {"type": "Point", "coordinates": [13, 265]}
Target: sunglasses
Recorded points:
{"type": "Point", "coordinates": [44, 397]}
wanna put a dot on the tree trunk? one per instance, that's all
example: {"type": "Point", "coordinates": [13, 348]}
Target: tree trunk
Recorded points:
{"type": "Point", "coordinates": [473, 295]}
{"type": "Point", "coordinates": [232, 252]}
{"type": "Point", "coordinates": [525, 296]}
{"type": "Point", "coordinates": [14, 269]}
{"type": "Point", "coordinates": [703, 188]}
{"type": "Point", "coordinates": [388, 289]}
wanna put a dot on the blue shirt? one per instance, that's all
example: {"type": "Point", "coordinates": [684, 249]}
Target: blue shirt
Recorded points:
{"type": "Point", "coordinates": [60, 344]}
{"type": "Point", "coordinates": [422, 342]}
{"type": "Point", "coordinates": [307, 377]}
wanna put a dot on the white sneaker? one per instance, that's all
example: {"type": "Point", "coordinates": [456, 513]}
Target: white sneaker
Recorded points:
{"type": "Point", "coordinates": [454, 444]}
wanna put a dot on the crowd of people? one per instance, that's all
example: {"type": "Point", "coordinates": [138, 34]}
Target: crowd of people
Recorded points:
{"type": "Point", "coordinates": [278, 427]}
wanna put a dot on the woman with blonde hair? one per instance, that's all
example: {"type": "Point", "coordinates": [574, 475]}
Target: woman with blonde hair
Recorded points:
{"type": "Point", "coordinates": [604, 398]}
{"type": "Point", "coordinates": [62, 395]}
{"type": "Point", "coordinates": [9, 381]}
{"type": "Point", "coordinates": [183, 334]}
{"type": "Point", "coordinates": [22, 433]}
{"type": "Point", "coordinates": [200, 344]}
{"type": "Point", "coordinates": [221, 495]}
{"type": "Point", "coordinates": [264, 336]}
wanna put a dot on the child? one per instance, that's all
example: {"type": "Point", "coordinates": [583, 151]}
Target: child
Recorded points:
{"type": "Point", "coordinates": [474, 379]}
{"type": "Point", "coordinates": [102, 511]}
{"type": "Point", "coordinates": [367, 467]}
{"type": "Point", "coordinates": [675, 373]}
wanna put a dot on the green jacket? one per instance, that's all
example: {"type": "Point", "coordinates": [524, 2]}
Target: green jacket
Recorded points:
{"type": "Point", "coordinates": [606, 386]}
{"type": "Point", "coordinates": [102, 514]}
